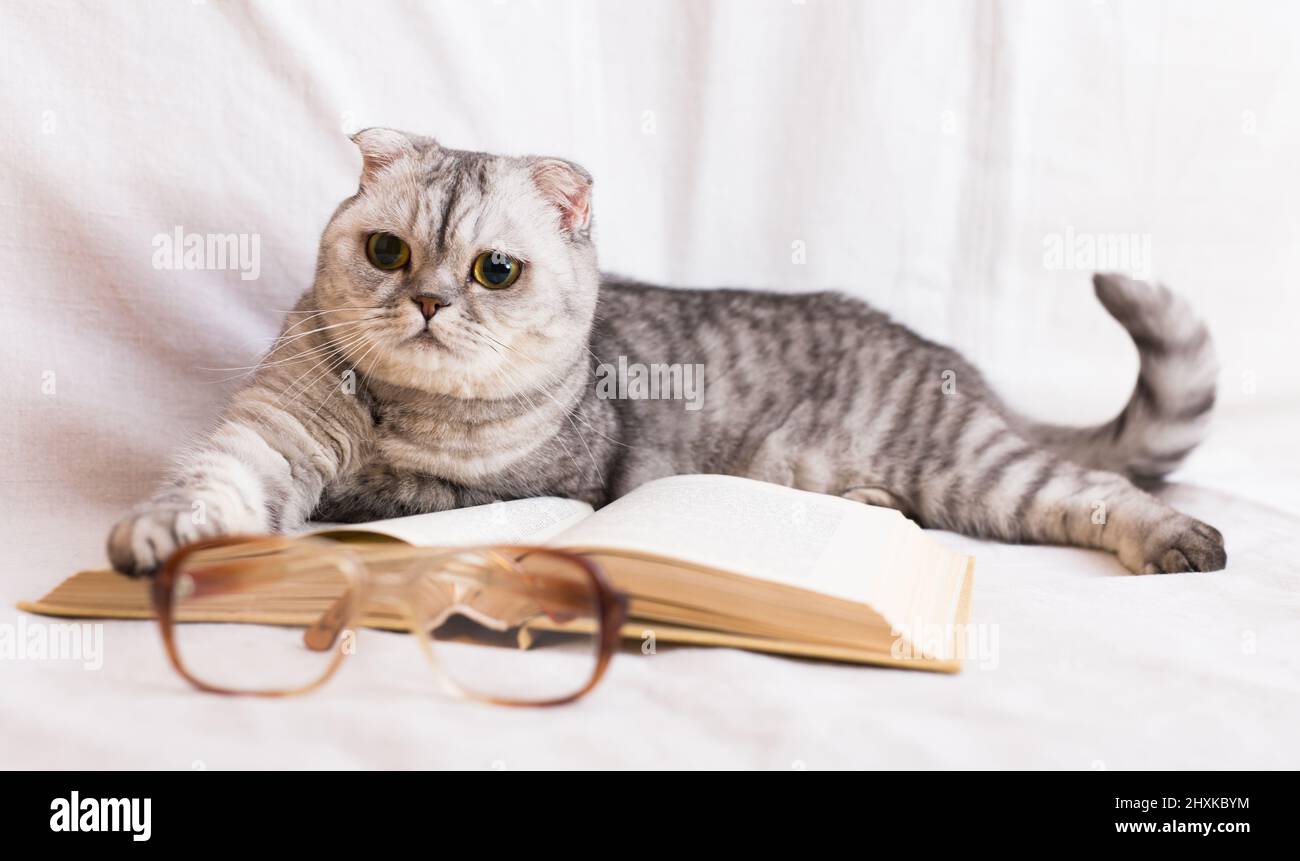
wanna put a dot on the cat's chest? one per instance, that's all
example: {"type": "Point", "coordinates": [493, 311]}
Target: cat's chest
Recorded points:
{"type": "Point", "coordinates": [467, 450]}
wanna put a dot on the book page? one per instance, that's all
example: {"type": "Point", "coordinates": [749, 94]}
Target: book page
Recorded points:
{"type": "Point", "coordinates": [518, 521]}
{"type": "Point", "coordinates": [755, 529]}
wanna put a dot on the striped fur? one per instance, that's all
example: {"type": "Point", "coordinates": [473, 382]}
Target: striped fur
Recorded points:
{"type": "Point", "coordinates": [363, 410]}
{"type": "Point", "coordinates": [1169, 412]}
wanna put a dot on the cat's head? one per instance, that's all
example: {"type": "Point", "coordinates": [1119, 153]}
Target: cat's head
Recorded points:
{"type": "Point", "coordinates": [460, 273]}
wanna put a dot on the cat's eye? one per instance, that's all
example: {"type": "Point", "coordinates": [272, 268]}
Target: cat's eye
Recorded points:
{"type": "Point", "coordinates": [386, 251]}
{"type": "Point", "coordinates": [494, 269]}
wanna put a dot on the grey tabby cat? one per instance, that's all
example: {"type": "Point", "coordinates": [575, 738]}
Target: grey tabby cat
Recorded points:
{"type": "Point", "coordinates": [445, 357]}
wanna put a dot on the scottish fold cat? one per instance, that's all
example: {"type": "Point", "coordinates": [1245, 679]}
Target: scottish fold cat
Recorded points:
{"type": "Point", "coordinates": [450, 350]}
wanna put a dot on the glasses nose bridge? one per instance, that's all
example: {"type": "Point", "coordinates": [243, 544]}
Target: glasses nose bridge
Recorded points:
{"type": "Point", "coordinates": [392, 585]}
{"type": "Point", "coordinates": [406, 582]}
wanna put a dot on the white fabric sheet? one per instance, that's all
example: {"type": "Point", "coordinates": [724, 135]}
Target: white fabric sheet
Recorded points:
{"type": "Point", "coordinates": [921, 155]}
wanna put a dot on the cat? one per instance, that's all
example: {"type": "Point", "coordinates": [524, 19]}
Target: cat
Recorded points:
{"type": "Point", "coordinates": [446, 355]}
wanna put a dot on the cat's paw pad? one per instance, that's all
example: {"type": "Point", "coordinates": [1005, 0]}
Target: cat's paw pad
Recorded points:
{"type": "Point", "coordinates": [1188, 545]}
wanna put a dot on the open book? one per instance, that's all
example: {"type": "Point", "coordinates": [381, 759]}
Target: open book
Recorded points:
{"type": "Point", "coordinates": [705, 560]}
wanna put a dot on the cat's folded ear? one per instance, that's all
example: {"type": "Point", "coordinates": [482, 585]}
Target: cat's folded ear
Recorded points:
{"type": "Point", "coordinates": [568, 187]}
{"type": "Point", "coordinates": [381, 147]}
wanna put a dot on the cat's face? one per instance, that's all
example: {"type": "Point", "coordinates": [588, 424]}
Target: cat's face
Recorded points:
{"type": "Point", "coordinates": [459, 273]}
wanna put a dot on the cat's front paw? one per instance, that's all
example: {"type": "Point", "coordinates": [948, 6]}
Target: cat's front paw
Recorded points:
{"type": "Point", "coordinates": [1177, 545]}
{"type": "Point", "coordinates": [140, 542]}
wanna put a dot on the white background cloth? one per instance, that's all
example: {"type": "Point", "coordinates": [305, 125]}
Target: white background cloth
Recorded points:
{"type": "Point", "coordinates": [920, 153]}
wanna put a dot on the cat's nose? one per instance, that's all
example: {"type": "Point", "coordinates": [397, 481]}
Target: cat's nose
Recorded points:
{"type": "Point", "coordinates": [429, 304]}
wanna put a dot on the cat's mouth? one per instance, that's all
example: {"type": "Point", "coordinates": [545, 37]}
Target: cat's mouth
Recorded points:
{"type": "Point", "coordinates": [426, 338]}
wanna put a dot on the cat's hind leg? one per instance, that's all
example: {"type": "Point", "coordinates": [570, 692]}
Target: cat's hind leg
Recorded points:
{"type": "Point", "coordinates": [994, 483]}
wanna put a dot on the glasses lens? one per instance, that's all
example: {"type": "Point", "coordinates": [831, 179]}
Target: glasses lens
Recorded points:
{"type": "Point", "coordinates": [510, 625]}
{"type": "Point", "coordinates": [265, 616]}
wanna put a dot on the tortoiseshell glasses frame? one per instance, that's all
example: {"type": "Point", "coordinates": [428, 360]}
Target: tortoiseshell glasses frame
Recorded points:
{"type": "Point", "coordinates": [582, 588]}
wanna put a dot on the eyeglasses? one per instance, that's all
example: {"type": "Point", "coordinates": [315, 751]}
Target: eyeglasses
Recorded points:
{"type": "Point", "coordinates": [275, 617]}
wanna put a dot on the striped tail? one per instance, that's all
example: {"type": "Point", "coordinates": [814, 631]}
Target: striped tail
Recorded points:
{"type": "Point", "coordinates": [1169, 412]}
